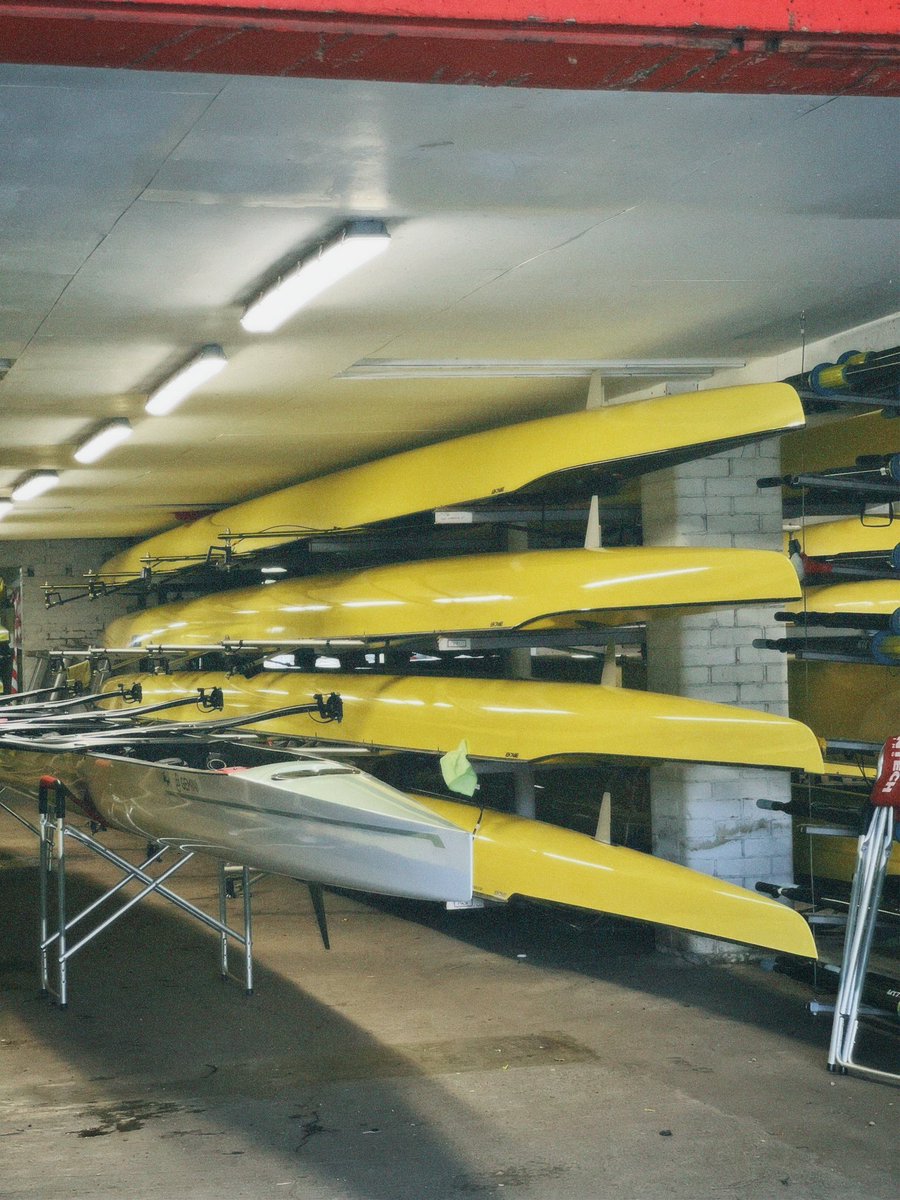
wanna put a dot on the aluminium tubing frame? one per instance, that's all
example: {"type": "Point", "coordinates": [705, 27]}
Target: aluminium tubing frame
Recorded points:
{"type": "Point", "coordinates": [52, 831]}
{"type": "Point", "coordinates": [868, 881]}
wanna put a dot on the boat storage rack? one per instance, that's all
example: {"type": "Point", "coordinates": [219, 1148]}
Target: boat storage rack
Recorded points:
{"type": "Point", "coordinates": [873, 853]}
{"type": "Point", "coordinates": [55, 945]}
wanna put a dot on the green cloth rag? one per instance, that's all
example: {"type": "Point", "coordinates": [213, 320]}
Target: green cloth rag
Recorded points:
{"type": "Point", "coordinates": [459, 775]}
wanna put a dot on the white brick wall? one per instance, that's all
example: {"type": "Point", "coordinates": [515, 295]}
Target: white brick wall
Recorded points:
{"type": "Point", "coordinates": [64, 626]}
{"type": "Point", "coordinates": [706, 816]}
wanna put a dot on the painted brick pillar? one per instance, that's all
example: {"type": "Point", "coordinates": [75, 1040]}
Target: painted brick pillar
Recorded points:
{"type": "Point", "coordinates": [706, 816]}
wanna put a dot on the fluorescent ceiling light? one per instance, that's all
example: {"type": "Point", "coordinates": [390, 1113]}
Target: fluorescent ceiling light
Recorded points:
{"type": "Point", "coordinates": [34, 485]}
{"type": "Point", "coordinates": [273, 570]}
{"type": "Point", "coordinates": [356, 244]}
{"type": "Point", "coordinates": [6, 507]}
{"type": "Point", "coordinates": [186, 379]}
{"type": "Point", "coordinates": [548, 368]}
{"type": "Point", "coordinates": [102, 440]}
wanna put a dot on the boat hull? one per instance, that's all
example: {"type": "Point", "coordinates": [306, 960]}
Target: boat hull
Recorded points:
{"type": "Point", "coordinates": [879, 535]}
{"type": "Point", "coordinates": [472, 593]}
{"type": "Point", "coordinates": [377, 840]}
{"type": "Point", "coordinates": [504, 719]}
{"type": "Point", "coordinates": [585, 451]}
{"type": "Point", "coordinates": [866, 598]}
{"type": "Point", "coordinates": [515, 856]}
{"type": "Point", "coordinates": [319, 822]}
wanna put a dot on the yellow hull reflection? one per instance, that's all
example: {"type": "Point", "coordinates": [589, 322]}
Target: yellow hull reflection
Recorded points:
{"type": "Point", "coordinates": [855, 701]}
{"type": "Point", "coordinates": [838, 443]}
{"type": "Point", "coordinates": [471, 593]}
{"type": "Point", "coordinates": [514, 856]}
{"type": "Point", "coordinates": [507, 719]}
{"type": "Point", "coordinates": [495, 462]}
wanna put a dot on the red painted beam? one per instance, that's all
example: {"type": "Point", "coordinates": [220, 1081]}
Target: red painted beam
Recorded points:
{"type": "Point", "coordinates": [819, 47]}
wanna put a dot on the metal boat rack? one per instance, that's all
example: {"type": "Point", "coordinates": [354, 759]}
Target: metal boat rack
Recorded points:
{"type": "Point", "coordinates": [57, 949]}
{"type": "Point", "coordinates": [861, 991]}
{"type": "Point", "coordinates": [868, 882]}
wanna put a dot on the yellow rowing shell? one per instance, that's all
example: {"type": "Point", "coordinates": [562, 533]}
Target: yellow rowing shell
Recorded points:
{"type": "Point", "coordinates": [867, 598]}
{"type": "Point", "coordinates": [504, 719]}
{"type": "Point", "coordinates": [877, 535]}
{"type": "Point", "coordinates": [472, 593]}
{"type": "Point", "coordinates": [514, 856]}
{"type": "Point", "coordinates": [609, 443]}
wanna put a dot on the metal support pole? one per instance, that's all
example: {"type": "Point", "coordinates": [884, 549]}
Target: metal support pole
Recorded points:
{"type": "Point", "coordinates": [155, 885]}
{"type": "Point", "coordinates": [43, 882]}
{"type": "Point", "coordinates": [60, 837]}
{"type": "Point", "coordinates": [525, 802]}
{"type": "Point", "coordinates": [51, 831]}
{"type": "Point", "coordinates": [248, 932]}
{"type": "Point", "coordinates": [223, 937]}
{"type": "Point", "coordinates": [107, 895]}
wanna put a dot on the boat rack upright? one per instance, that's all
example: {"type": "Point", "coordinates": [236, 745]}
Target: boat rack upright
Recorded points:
{"type": "Point", "coordinates": [873, 853]}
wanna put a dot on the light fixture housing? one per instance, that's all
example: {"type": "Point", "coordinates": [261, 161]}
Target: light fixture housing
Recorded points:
{"type": "Point", "coordinates": [357, 243]}
{"type": "Point", "coordinates": [209, 361]}
{"type": "Point", "coordinates": [457, 368]}
{"type": "Point", "coordinates": [103, 439]}
{"type": "Point", "coordinates": [34, 484]}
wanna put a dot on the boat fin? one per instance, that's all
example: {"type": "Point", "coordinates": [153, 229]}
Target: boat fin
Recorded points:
{"type": "Point", "coordinates": [604, 820]}
{"type": "Point", "coordinates": [515, 856]}
{"type": "Point", "coordinates": [611, 674]}
{"type": "Point", "coordinates": [593, 537]}
{"type": "Point", "coordinates": [318, 902]}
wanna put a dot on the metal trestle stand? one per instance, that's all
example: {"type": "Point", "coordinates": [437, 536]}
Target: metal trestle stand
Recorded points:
{"type": "Point", "coordinates": [868, 881]}
{"type": "Point", "coordinates": [56, 947]}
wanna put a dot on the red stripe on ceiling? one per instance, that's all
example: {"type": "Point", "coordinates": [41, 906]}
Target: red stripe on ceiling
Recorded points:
{"type": "Point", "coordinates": [378, 44]}
{"type": "Point", "coordinates": [784, 16]}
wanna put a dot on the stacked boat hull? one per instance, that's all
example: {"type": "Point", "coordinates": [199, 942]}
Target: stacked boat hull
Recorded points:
{"type": "Point", "coordinates": [505, 719]}
{"type": "Point", "coordinates": [471, 593]}
{"type": "Point", "coordinates": [578, 452]}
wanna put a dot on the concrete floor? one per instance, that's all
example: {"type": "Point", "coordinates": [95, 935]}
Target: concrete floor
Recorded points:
{"type": "Point", "coordinates": [427, 1055]}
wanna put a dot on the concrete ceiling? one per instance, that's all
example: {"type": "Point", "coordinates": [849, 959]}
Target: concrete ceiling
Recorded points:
{"type": "Point", "coordinates": [140, 211]}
